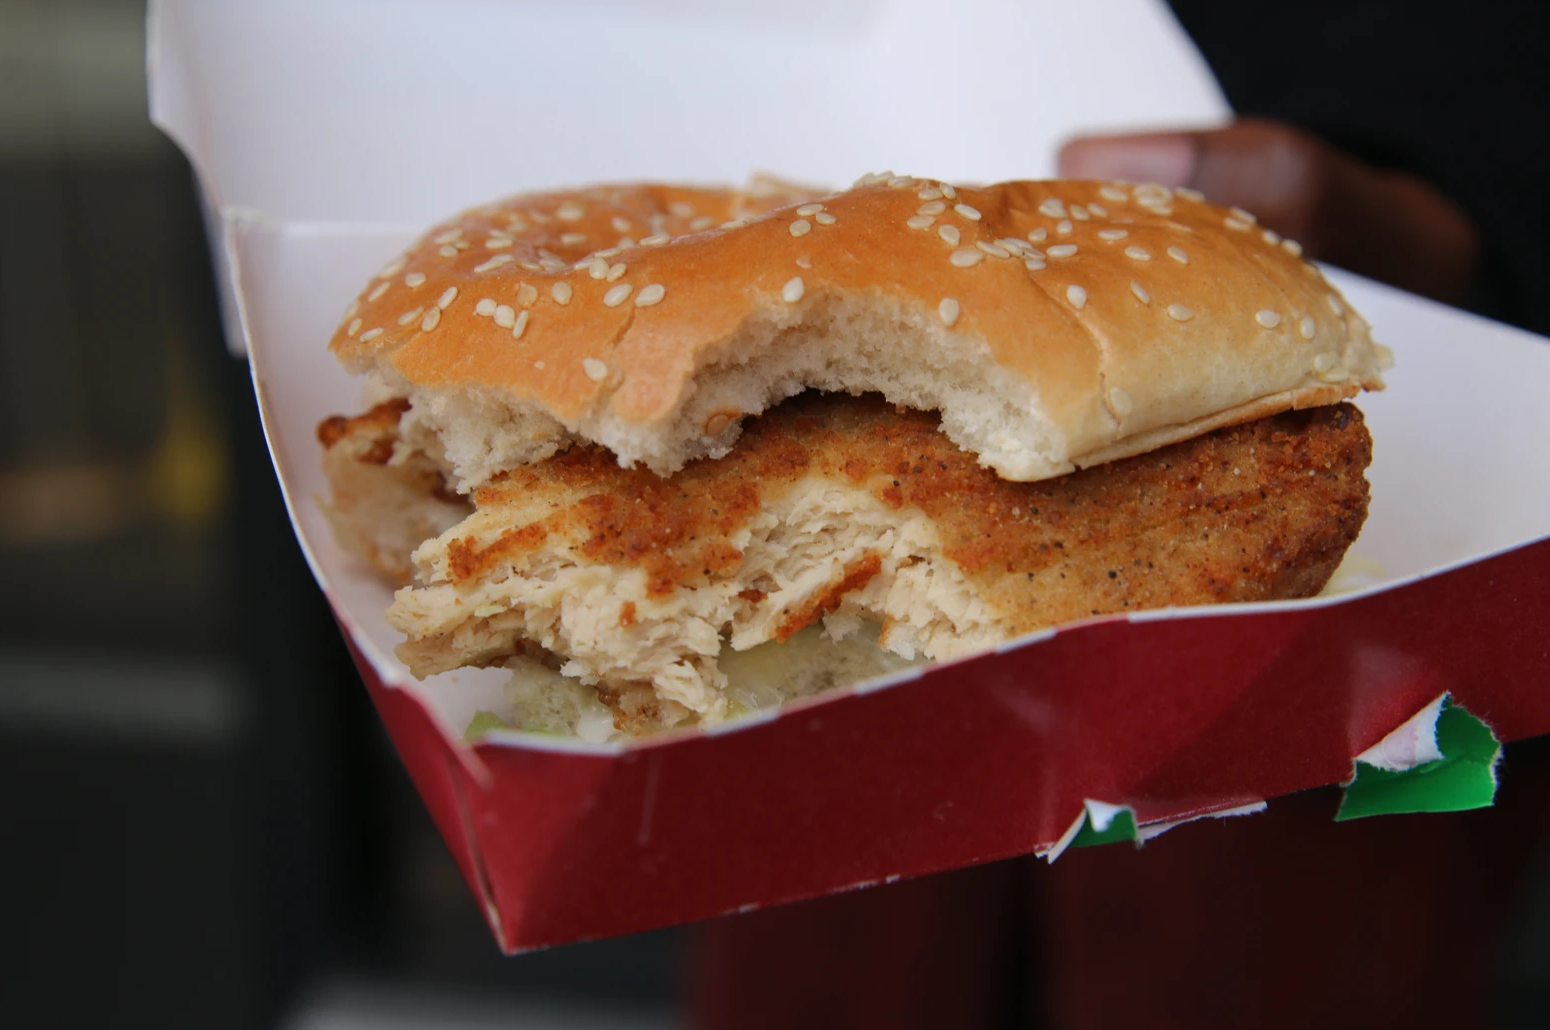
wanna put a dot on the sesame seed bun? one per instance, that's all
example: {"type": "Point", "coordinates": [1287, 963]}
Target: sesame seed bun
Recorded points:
{"type": "Point", "coordinates": [1053, 325]}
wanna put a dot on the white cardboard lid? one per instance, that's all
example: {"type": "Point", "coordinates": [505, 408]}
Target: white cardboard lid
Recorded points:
{"type": "Point", "coordinates": [404, 111]}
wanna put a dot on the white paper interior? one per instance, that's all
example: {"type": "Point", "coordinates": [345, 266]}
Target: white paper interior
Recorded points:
{"type": "Point", "coordinates": [1461, 466]}
{"type": "Point", "coordinates": [340, 117]}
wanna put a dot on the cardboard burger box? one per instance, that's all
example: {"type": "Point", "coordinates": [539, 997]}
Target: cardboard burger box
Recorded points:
{"type": "Point", "coordinates": [327, 133]}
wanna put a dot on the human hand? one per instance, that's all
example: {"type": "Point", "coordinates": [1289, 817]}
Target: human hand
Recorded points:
{"type": "Point", "coordinates": [1388, 225]}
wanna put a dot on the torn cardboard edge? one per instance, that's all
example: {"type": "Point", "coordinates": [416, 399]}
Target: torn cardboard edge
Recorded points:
{"type": "Point", "coordinates": [1442, 759]}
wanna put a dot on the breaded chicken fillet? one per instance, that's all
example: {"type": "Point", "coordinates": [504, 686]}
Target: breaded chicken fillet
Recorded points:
{"type": "Point", "coordinates": [850, 509]}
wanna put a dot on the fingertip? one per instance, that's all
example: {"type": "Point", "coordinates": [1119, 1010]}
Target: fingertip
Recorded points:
{"type": "Point", "coordinates": [1166, 159]}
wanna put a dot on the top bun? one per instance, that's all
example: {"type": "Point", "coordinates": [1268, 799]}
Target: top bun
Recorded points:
{"type": "Point", "coordinates": [1053, 324]}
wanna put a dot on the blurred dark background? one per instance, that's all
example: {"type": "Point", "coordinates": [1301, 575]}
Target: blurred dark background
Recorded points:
{"type": "Point", "coordinates": [201, 823]}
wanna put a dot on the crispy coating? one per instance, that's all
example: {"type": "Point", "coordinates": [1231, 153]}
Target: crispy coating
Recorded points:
{"type": "Point", "coordinates": [384, 503]}
{"type": "Point", "coordinates": [1258, 511]}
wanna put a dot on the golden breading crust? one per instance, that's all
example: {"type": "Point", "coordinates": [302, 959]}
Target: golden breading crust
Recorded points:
{"type": "Point", "coordinates": [386, 500]}
{"type": "Point", "coordinates": [1252, 512]}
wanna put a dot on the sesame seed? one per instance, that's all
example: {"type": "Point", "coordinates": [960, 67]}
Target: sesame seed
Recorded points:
{"type": "Point", "coordinates": [620, 224]}
{"type": "Point", "coordinates": [497, 241]}
{"type": "Point", "coordinates": [948, 191]}
{"type": "Point", "coordinates": [807, 210]}
{"type": "Point", "coordinates": [527, 293]}
{"type": "Point", "coordinates": [370, 334]}
{"type": "Point", "coordinates": [494, 263]}
{"type": "Point", "coordinates": [539, 217]}
{"type": "Point", "coordinates": [1234, 223]}
{"type": "Point", "coordinates": [521, 325]}
{"type": "Point", "coordinates": [414, 279]}
{"type": "Point", "coordinates": [431, 320]}
{"type": "Point", "coordinates": [1062, 250]}
{"type": "Point", "coordinates": [410, 316]}
{"type": "Point", "coordinates": [538, 365]}
{"type": "Point", "coordinates": [936, 207]}
{"type": "Point", "coordinates": [615, 270]}
{"type": "Point", "coordinates": [1334, 304]}
{"type": "Point", "coordinates": [1180, 313]}
{"type": "Point", "coordinates": [1113, 195]}
{"type": "Point", "coordinates": [681, 209]}
{"type": "Point", "coordinates": [1271, 237]}
{"type": "Point", "coordinates": [596, 370]}
{"type": "Point", "coordinates": [353, 309]}
{"type": "Point", "coordinates": [1098, 210]}
{"type": "Point", "coordinates": [569, 211]}
{"type": "Point", "coordinates": [1242, 215]}
{"type": "Point", "coordinates": [971, 213]}
{"type": "Point", "coordinates": [920, 222]}
{"type": "Point", "coordinates": [900, 181]}
{"type": "Point", "coordinates": [734, 223]}
{"type": "Point", "coordinates": [1267, 318]}
{"type": "Point", "coordinates": [702, 223]}
{"type": "Point", "coordinates": [1153, 190]}
{"type": "Point", "coordinates": [561, 293]}
{"type": "Point", "coordinates": [1292, 247]}
{"type": "Point", "coordinates": [378, 290]}
{"type": "Point", "coordinates": [1141, 294]}
{"type": "Point", "coordinates": [947, 311]}
{"type": "Point", "coordinates": [1191, 194]}
{"type": "Point", "coordinates": [1113, 234]}
{"type": "Point", "coordinates": [573, 239]}
{"type": "Point", "coordinates": [1052, 207]}
{"type": "Point", "coordinates": [1034, 264]}
{"type": "Point", "coordinates": [1306, 327]}
{"type": "Point", "coordinates": [505, 316]}
{"type": "Point", "coordinates": [1177, 253]}
{"type": "Point", "coordinates": [392, 268]}
{"type": "Point", "coordinates": [824, 218]}
{"type": "Point", "coordinates": [949, 234]}
{"type": "Point", "coordinates": [655, 239]}
{"type": "Point", "coordinates": [485, 307]}
{"type": "Point", "coordinates": [650, 294]}
{"type": "Point", "coordinates": [1015, 245]}
{"type": "Point", "coordinates": [597, 268]}
{"type": "Point", "coordinates": [616, 294]}
{"type": "Point", "coordinates": [1035, 253]}
{"type": "Point", "coordinates": [966, 258]}
{"type": "Point", "coordinates": [1079, 212]}
{"type": "Point", "coordinates": [530, 266]}
{"type": "Point", "coordinates": [1039, 235]}
{"type": "Point", "coordinates": [1077, 296]}
{"type": "Point", "coordinates": [1119, 401]}
{"type": "Point", "coordinates": [353, 328]}
{"type": "Point", "coordinates": [800, 227]}
{"type": "Point", "coordinates": [448, 236]}
{"type": "Point", "coordinates": [929, 194]}
{"type": "Point", "coordinates": [447, 251]}
{"type": "Point", "coordinates": [793, 290]}
{"type": "Point", "coordinates": [447, 297]}
{"type": "Point", "coordinates": [993, 249]}
{"type": "Point", "coordinates": [804, 262]}
{"type": "Point", "coordinates": [1324, 362]}
{"type": "Point", "coordinates": [1064, 227]}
